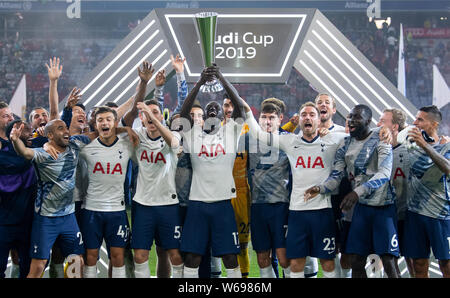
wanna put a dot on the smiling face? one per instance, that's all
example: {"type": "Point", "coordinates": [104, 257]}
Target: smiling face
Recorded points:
{"type": "Point", "coordinates": [213, 110]}
{"type": "Point", "coordinates": [227, 107]}
{"type": "Point", "coordinates": [78, 118]}
{"type": "Point", "coordinates": [39, 118]}
{"type": "Point", "coordinates": [309, 120]}
{"type": "Point", "coordinates": [326, 107]}
{"type": "Point", "coordinates": [27, 135]}
{"type": "Point", "coordinates": [106, 124]}
{"type": "Point", "coordinates": [58, 133]}
{"type": "Point", "coordinates": [358, 122]}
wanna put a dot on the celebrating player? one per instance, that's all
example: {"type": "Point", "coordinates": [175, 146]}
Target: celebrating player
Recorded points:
{"type": "Point", "coordinates": [368, 163]}
{"type": "Point", "coordinates": [427, 222]}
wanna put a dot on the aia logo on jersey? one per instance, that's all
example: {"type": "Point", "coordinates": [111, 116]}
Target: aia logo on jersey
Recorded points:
{"type": "Point", "coordinates": [99, 168]}
{"type": "Point", "coordinates": [154, 158]}
{"type": "Point", "coordinates": [399, 173]}
{"type": "Point", "coordinates": [213, 151]}
{"type": "Point", "coordinates": [309, 163]}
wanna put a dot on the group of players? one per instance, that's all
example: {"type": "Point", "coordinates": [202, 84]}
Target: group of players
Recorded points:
{"type": "Point", "coordinates": [329, 193]}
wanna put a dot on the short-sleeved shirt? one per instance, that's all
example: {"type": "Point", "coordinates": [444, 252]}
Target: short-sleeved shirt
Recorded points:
{"type": "Point", "coordinates": [56, 178]}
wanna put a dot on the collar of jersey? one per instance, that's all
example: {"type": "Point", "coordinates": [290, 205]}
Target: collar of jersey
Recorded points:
{"type": "Point", "coordinates": [113, 143]}
{"type": "Point", "coordinates": [312, 141]}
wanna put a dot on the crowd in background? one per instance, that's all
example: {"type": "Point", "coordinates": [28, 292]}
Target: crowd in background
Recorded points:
{"type": "Point", "coordinates": [20, 55]}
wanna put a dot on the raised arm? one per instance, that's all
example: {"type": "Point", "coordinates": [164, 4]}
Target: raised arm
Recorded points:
{"type": "Point", "coordinates": [165, 132]}
{"type": "Point", "coordinates": [19, 146]}
{"type": "Point", "coordinates": [145, 75]}
{"type": "Point", "coordinates": [123, 108]}
{"type": "Point", "coordinates": [237, 101]}
{"type": "Point", "coordinates": [185, 111]}
{"type": "Point", "coordinates": [54, 72]}
{"type": "Point", "coordinates": [160, 81]}
{"type": "Point", "coordinates": [182, 88]}
{"type": "Point", "coordinates": [72, 100]}
{"type": "Point", "coordinates": [439, 160]}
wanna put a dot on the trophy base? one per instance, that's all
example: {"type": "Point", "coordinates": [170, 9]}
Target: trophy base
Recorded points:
{"type": "Point", "coordinates": [211, 87]}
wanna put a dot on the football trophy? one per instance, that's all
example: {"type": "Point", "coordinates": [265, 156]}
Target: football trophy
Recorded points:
{"type": "Point", "coordinates": [205, 25]}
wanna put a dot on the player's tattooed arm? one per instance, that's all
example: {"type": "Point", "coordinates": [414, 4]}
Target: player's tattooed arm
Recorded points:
{"type": "Point", "coordinates": [145, 75]}
{"type": "Point", "coordinates": [441, 161]}
{"type": "Point", "coordinates": [18, 145]}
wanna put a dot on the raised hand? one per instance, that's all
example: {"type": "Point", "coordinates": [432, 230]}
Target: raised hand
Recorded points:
{"type": "Point", "coordinates": [147, 72]}
{"type": "Point", "coordinates": [16, 132]}
{"type": "Point", "coordinates": [54, 69]}
{"type": "Point", "coordinates": [74, 97]}
{"type": "Point", "coordinates": [178, 63]}
{"type": "Point", "coordinates": [386, 135]}
{"type": "Point", "coordinates": [146, 110]}
{"type": "Point", "coordinates": [415, 134]}
{"type": "Point", "coordinates": [295, 119]}
{"type": "Point", "coordinates": [160, 78]}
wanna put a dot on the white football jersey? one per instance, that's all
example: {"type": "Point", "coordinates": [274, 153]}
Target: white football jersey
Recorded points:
{"type": "Point", "coordinates": [107, 169]}
{"type": "Point", "coordinates": [212, 158]}
{"type": "Point", "coordinates": [311, 164]}
{"type": "Point", "coordinates": [157, 166]}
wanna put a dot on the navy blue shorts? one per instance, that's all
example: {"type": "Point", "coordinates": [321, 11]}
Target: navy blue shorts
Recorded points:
{"type": "Point", "coordinates": [111, 226]}
{"type": "Point", "coordinates": [63, 230]}
{"type": "Point", "coordinates": [423, 232]}
{"type": "Point", "coordinates": [311, 233]}
{"type": "Point", "coordinates": [210, 223]}
{"type": "Point", "coordinates": [344, 234]}
{"type": "Point", "coordinates": [373, 231]}
{"type": "Point", "coordinates": [159, 223]}
{"type": "Point", "coordinates": [17, 237]}
{"type": "Point", "coordinates": [269, 225]}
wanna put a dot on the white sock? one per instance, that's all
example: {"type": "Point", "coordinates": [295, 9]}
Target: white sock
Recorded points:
{"type": "Point", "coordinates": [15, 271]}
{"type": "Point", "coordinates": [346, 273]}
{"type": "Point", "coordinates": [141, 270]}
{"type": "Point", "coordinates": [331, 274]}
{"type": "Point", "coordinates": [90, 271]}
{"type": "Point", "coordinates": [337, 265]}
{"type": "Point", "coordinates": [177, 271]}
{"type": "Point", "coordinates": [234, 273]}
{"type": "Point", "coordinates": [190, 272]}
{"type": "Point", "coordinates": [298, 274]}
{"type": "Point", "coordinates": [287, 272]}
{"type": "Point", "coordinates": [311, 267]}
{"type": "Point", "coordinates": [118, 272]}
{"type": "Point", "coordinates": [216, 267]}
{"type": "Point", "coordinates": [266, 272]}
